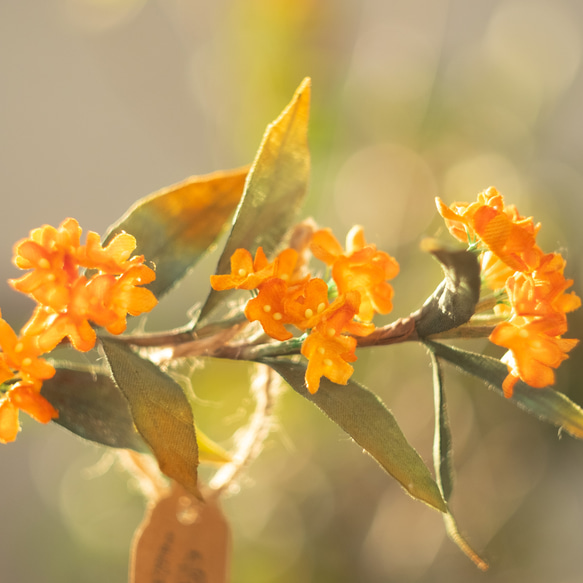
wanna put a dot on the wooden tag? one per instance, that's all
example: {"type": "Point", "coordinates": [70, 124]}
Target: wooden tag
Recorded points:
{"type": "Point", "coordinates": [181, 540]}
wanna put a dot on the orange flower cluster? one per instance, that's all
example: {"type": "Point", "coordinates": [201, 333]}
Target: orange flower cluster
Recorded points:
{"type": "Point", "coordinates": [285, 298]}
{"type": "Point", "coordinates": [69, 301]}
{"type": "Point", "coordinates": [20, 362]}
{"type": "Point", "coordinates": [534, 283]}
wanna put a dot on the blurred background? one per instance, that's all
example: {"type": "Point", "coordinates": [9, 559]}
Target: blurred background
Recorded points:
{"type": "Point", "coordinates": [105, 101]}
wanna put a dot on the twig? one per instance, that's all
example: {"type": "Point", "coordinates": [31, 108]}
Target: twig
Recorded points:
{"type": "Point", "coordinates": [265, 388]}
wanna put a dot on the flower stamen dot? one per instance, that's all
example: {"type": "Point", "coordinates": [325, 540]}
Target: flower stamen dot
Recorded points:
{"type": "Point", "coordinates": [267, 308]}
{"type": "Point", "coordinates": [309, 313]}
{"type": "Point", "coordinates": [277, 316]}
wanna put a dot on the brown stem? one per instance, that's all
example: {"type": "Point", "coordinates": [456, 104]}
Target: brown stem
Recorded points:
{"type": "Point", "coordinates": [216, 341]}
{"type": "Point", "coordinates": [401, 330]}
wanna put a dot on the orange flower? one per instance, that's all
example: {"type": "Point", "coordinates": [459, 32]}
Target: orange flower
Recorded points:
{"type": "Point", "coordinates": [50, 248]}
{"type": "Point", "coordinates": [49, 328]}
{"type": "Point", "coordinates": [549, 275]}
{"type": "Point", "coordinates": [327, 348]}
{"type": "Point", "coordinates": [534, 283]}
{"type": "Point", "coordinates": [115, 258]}
{"type": "Point", "coordinates": [50, 253]}
{"type": "Point", "coordinates": [534, 297]}
{"type": "Point", "coordinates": [366, 271]}
{"type": "Point", "coordinates": [459, 216]}
{"type": "Point", "coordinates": [304, 304]}
{"type": "Point", "coordinates": [328, 355]}
{"type": "Point", "coordinates": [287, 298]}
{"type": "Point", "coordinates": [246, 273]}
{"type": "Point", "coordinates": [22, 354]}
{"type": "Point", "coordinates": [325, 246]}
{"type": "Point", "coordinates": [9, 425]}
{"type": "Point", "coordinates": [513, 242]}
{"type": "Point", "coordinates": [120, 296]}
{"type": "Point", "coordinates": [19, 360]}
{"type": "Point", "coordinates": [69, 301]}
{"type": "Point", "coordinates": [47, 244]}
{"type": "Point", "coordinates": [494, 271]}
{"type": "Point", "coordinates": [500, 229]}
{"type": "Point", "coordinates": [535, 349]}
{"type": "Point", "coordinates": [361, 268]}
{"type": "Point", "coordinates": [27, 399]}
{"type": "Point", "coordinates": [339, 316]}
{"type": "Point", "coordinates": [268, 309]}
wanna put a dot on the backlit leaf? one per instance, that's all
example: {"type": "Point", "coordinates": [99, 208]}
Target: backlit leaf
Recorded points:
{"type": "Point", "coordinates": [366, 419]}
{"type": "Point", "coordinates": [275, 189]}
{"type": "Point", "coordinates": [160, 410]}
{"type": "Point", "coordinates": [175, 226]}
{"type": "Point", "coordinates": [546, 404]}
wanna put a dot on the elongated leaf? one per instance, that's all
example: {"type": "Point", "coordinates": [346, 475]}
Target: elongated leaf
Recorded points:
{"type": "Point", "coordinates": [175, 226]}
{"type": "Point", "coordinates": [442, 459]}
{"type": "Point", "coordinates": [275, 189]}
{"type": "Point", "coordinates": [442, 445]}
{"type": "Point", "coordinates": [92, 406]}
{"type": "Point", "coordinates": [365, 418]}
{"type": "Point", "coordinates": [454, 301]}
{"type": "Point", "coordinates": [546, 404]}
{"type": "Point", "coordinates": [160, 410]}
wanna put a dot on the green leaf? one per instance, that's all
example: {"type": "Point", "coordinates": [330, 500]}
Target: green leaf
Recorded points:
{"type": "Point", "coordinates": [275, 189]}
{"type": "Point", "coordinates": [160, 410]}
{"type": "Point", "coordinates": [443, 462]}
{"type": "Point", "coordinates": [366, 419]}
{"type": "Point", "coordinates": [442, 444]}
{"type": "Point", "coordinates": [175, 226]}
{"type": "Point", "coordinates": [546, 404]}
{"type": "Point", "coordinates": [91, 405]}
{"type": "Point", "coordinates": [454, 301]}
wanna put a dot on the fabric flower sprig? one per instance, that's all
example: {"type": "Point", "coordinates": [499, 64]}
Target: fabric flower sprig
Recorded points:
{"type": "Point", "coordinates": [285, 298]}
{"type": "Point", "coordinates": [534, 285]}
{"type": "Point", "coordinates": [69, 301]}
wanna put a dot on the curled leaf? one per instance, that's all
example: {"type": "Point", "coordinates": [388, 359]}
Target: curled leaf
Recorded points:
{"type": "Point", "coordinates": [454, 301]}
